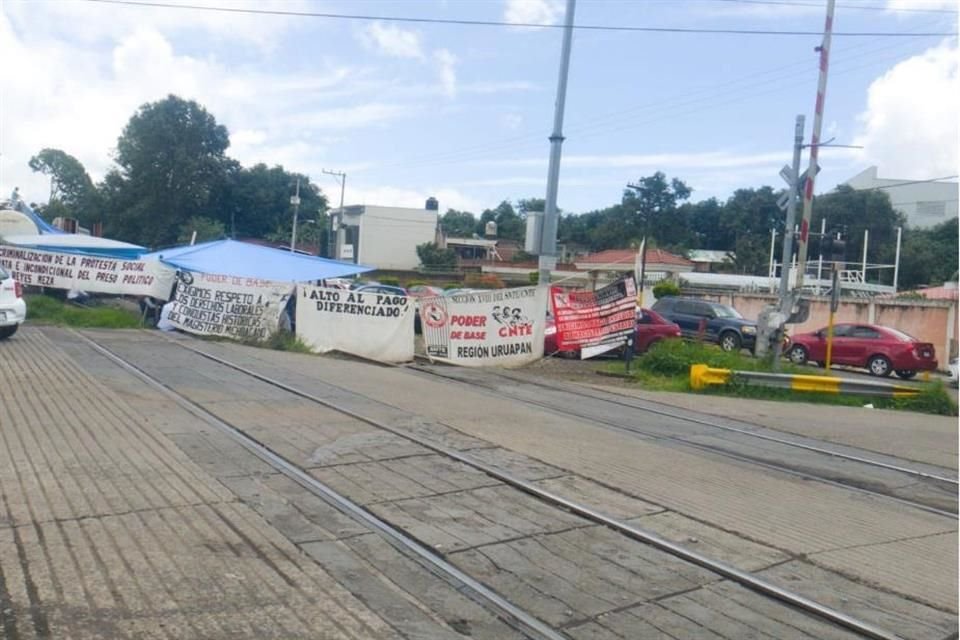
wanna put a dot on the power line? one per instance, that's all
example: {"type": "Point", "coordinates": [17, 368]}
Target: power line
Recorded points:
{"type": "Point", "coordinates": [818, 5]}
{"type": "Point", "coordinates": [680, 105]}
{"type": "Point", "coordinates": [501, 23]}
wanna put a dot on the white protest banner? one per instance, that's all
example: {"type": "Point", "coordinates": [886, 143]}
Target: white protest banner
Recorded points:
{"type": "Point", "coordinates": [92, 274]}
{"type": "Point", "coordinates": [229, 306]}
{"type": "Point", "coordinates": [501, 327]}
{"type": "Point", "coordinates": [378, 326]}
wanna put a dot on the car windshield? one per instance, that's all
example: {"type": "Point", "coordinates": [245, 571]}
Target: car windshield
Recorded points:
{"type": "Point", "coordinates": [723, 311]}
{"type": "Point", "coordinates": [900, 335]}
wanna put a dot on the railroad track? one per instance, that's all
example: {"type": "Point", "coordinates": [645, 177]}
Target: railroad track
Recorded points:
{"type": "Point", "coordinates": [942, 487]}
{"type": "Point", "coordinates": [511, 613]}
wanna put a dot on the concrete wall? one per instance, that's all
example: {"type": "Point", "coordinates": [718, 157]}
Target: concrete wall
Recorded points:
{"type": "Point", "coordinates": [931, 321]}
{"type": "Point", "coordinates": [924, 203]}
{"type": "Point", "coordinates": [389, 235]}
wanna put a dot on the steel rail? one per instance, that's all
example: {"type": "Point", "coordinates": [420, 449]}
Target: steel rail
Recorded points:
{"type": "Point", "coordinates": [708, 423]}
{"type": "Point", "coordinates": [521, 620]}
{"type": "Point", "coordinates": [779, 467]}
{"type": "Point", "coordinates": [739, 576]}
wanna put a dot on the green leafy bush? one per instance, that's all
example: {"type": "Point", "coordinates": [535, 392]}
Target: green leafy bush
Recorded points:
{"type": "Point", "coordinates": [665, 288]}
{"type": "Point", "coordinates": [390, 281]}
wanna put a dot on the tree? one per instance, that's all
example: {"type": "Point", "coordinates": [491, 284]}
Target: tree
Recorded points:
{"type": "Point", "coordinates": [205, 228]}
{"type": "Point", "coordinates": [510, 225]}
{"type": "Point", "coordinates": [172, 164]}
{"type": "Point", "coordinates": [652, 203]}
{"type": "Point", "coordinates": [72, 192]}
{"type": "Point", "coordinates": [929, 256]}
{"type": "Point", "coordinates": [851, 212]}
{"type": "Point", "coordinates": [458, 224]}
{"type": "Point", "coordinates": [433, 257]}
{"type": "Point", "coordinates": [257, 201]}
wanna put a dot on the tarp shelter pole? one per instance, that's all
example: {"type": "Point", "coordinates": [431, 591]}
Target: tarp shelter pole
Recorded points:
{"type": "Point", "coordinates": [295, 201]}
{"type": "Point", "coordinates": [896, 262]}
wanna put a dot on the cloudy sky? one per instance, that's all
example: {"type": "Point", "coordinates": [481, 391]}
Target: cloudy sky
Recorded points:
{"type": "Point", "coordinates": [463, 113]}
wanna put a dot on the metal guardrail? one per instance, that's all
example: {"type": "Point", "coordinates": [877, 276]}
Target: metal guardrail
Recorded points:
{"type": "Point", "coordinates": [702, 375]}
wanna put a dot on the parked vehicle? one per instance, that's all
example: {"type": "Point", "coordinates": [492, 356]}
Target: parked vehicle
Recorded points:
{"type": "Point", "coordinates": [13, 309]}
{"type": "Point", "coordinates": [424, 291]}
{"type": "Point", "coordinates": [713, 321]}
{"type": "Point", "coordinates": [376, 287]}
{"type": "Point", "coordinates": [954, 377]}
{"type": "Point", "coordinates": [651, 327]}
{"type": "Point", "coordinates": [880, 350]}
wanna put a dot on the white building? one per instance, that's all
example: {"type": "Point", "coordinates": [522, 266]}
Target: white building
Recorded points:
{"type": "Point", "coordinates": [384, 237]}
{"type": "Point", "coordinates": [925, 204]}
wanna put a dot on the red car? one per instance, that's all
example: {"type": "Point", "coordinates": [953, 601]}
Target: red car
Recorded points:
{"type": "Point", "coordinates": [880, 350]}
{"type": "Point", "coordinates": [650, 328]}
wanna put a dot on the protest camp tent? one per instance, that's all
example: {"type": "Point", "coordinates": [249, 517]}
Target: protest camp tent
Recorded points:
{"type": "Point", "coordinates": [74, 243]}
{"type": "Point", "coordinates": [245, 260]}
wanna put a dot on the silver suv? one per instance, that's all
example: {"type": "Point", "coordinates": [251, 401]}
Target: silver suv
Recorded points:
{"type": "Point", "coordinates": [13, 309]}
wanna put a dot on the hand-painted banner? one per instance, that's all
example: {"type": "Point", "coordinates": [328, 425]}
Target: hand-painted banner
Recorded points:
{"type": "Point", "coordinates": [586, 319]}
{"type": "Point", "coordinates": [371, 325]}
{"type": "Point", "coordinates": [93, 274]}
{"type": "Point", "coordinates": [502, 327]}
{"type": "Point", "coordinates": [229, 306]}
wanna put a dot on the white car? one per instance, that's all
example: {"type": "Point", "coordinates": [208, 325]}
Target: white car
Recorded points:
{"type": "Point", "coordinates": [13, 309]}
{"type": "Point", "coordinates": [954, 379]}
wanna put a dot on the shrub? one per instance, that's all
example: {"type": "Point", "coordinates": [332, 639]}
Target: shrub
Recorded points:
{"type": "Point", "coordinates": [534, 277]}
{"type": "Point", "coordinates": [933, 399]}
{"type": "Point", "coordinates": [416, 283]}
{"type": "Point", "coordinates": [484, 281]}
{"type": "Point", "coordinates": [390, 281]}
{"type": "Point", "coordinates": [665, 288]}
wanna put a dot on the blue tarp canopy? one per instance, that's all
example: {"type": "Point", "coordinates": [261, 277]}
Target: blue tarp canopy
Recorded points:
{"type": "Point", "coordinates": [74, 243]}
{"type": "Point", "coordinates": [232, 258]}
{"type": "Point", "coordinates": [42, 225]}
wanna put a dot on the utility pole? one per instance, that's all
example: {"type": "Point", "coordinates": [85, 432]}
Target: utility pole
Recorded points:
{"type": "Point", "coordinates": [548, 235]}
{"type": "Point", "coordinates": [295, 201]}
{"type": "Point", "coordinates": [787, 297]}
{"type": "Point", "coordinates": [331, 233]}
{"type": "Point", "coordinates": [824, 49]}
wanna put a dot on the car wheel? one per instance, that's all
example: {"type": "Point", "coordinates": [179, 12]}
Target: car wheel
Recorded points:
{"type": "Point", "coordinates": [879, 366]}
{"type": "Point", "coordinates": [906, 374]}
{"type": "Point", "coordinates": [729, 341]}
{"type": "Point", "coordinates": [798, 354]}
{"type": "Point", "coordinates": [6, 332]}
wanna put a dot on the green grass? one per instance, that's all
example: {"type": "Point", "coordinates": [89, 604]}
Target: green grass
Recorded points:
{"type": "Point", "coordinates": [42, 309]}
{"type": "Point", "coordinates": [281, 341]}
{"type": "Point", "coordinates": [666, 367]}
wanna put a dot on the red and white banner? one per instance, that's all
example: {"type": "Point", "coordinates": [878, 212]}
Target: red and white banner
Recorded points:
{"type": "Point", "coordinates": [585, 319]}
{"type": "Point", "coordinates": [228, 306]}
{"type": "Point", "coordinates": [93, 274]}
{"type": "Point", "coordinates": [499, 328]}
{"type": "Point", "coordinates": [377, 326]}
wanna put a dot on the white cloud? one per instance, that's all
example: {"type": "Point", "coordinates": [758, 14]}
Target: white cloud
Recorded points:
{"type": "Point", "coordinates": [910, 126]}
{"type": "Point", "coordinates": [106, 23]}
{"type": "Point", "coordinates": [446, 67]}
{"type": "Point", "coordinates": [393, 41]}
{"type": "Point", "coordinates": [896, 5]}
{"type": "Point", "coordinates": [78, 97]}
{"type": "Point", "coordinates": [483, 88]}
{"type": "Point", "coordinates": [532, 11]}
